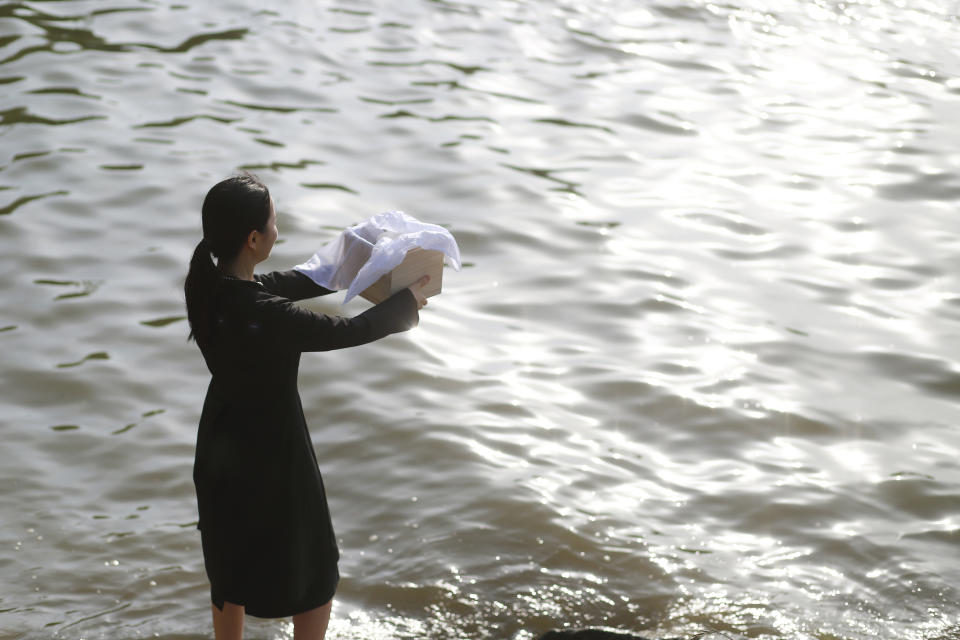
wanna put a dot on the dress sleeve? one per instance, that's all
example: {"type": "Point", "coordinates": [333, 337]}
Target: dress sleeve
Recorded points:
{"type": "Point", "coordinates": [292, 285]}
{"type": "Point", "coordinates": [304, 330]}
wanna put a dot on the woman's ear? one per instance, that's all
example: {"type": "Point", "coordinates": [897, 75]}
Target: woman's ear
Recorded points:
{"type": "Point", "coordinates": [252, 238]}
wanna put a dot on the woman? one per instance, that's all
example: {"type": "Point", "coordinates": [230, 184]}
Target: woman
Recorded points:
{"type": "Point", "coordinates": [268, 543]}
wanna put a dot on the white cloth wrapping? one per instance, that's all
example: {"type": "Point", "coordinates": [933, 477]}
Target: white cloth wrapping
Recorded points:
{"type": "Point", "coordinates": [365, 252]}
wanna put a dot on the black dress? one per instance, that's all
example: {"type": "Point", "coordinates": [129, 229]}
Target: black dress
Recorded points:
{"type": "Point", "coordinates": [268, 542]}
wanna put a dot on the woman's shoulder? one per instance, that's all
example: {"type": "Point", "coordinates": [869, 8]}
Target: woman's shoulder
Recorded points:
{"type": "Point", "coordinates": [291, 284]}
{"type": "Point", "coordinates": [244, 296]}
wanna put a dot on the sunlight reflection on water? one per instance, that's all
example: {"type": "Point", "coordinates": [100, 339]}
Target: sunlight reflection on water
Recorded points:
{"type": "Point", "coordinates": [699, 371]}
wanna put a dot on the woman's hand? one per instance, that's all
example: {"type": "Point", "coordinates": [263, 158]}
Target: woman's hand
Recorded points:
{"type": "Point", "coordinates": [417, 290]}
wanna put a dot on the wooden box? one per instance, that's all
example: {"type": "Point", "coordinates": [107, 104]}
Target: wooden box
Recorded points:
{"type": "Point", "coordinates": [416, 264]}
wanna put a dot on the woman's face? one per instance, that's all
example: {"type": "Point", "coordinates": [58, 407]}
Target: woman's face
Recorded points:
{"type": "Point", "coordinates": [268, 236]}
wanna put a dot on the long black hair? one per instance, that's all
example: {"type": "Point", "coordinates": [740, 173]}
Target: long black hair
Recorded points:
{"type": "Point", "coordinates": [232, 209]}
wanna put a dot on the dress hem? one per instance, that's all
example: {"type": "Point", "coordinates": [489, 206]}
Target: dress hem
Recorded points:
{"type": "Point", "coordinates": [266, 613]}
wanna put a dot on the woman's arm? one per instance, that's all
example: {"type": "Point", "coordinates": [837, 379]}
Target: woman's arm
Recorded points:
{"type": "Point", "coordinates": [303, 330]}
{"type": "Point", "coordinates": [292, 285]}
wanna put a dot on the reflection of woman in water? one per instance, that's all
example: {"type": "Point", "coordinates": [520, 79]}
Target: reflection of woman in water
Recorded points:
{"type": "Point", "coordinates": [268, 542]}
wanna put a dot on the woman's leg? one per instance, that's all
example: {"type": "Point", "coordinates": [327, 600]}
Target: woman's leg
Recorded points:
{"type": "Point", "coordinates": [228, 624]}
{"type": "Point", "coordinates": [311, 625]}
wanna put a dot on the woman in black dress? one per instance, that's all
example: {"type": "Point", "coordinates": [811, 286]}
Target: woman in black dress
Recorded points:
{"type": "Point", "coordinates": [268, 543]}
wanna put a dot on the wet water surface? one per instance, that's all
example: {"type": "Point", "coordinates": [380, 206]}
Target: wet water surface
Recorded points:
{"type": "Point", "coordinates": [701, 369]}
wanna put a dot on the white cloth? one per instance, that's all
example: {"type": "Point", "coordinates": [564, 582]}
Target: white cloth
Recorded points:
{"type": "Point", "coordinates": [365, 252]}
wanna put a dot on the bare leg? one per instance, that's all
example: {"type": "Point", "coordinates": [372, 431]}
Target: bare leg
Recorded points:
{"type": "Point", "coordinates": [228, 624]}
{"type": "Point", "coordinates": [311, 625]}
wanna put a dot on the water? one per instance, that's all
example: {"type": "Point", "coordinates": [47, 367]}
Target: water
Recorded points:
{"type": "Point", "coordinates": [701, 369]}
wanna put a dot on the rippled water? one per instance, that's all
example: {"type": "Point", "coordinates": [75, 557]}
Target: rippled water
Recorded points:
{"type": "Point", "coordinates": [701, 370]}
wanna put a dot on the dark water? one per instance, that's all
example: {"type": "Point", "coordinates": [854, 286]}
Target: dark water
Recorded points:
{"type": "Point", "coordinates": [701, 370]}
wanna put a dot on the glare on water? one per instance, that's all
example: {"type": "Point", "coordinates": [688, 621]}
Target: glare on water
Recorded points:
{"type": "Point", "coordinates": [700, 370]}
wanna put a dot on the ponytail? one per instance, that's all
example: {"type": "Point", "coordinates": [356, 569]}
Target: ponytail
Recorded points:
{"type": "Point", "coordinates": [199, 290]}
